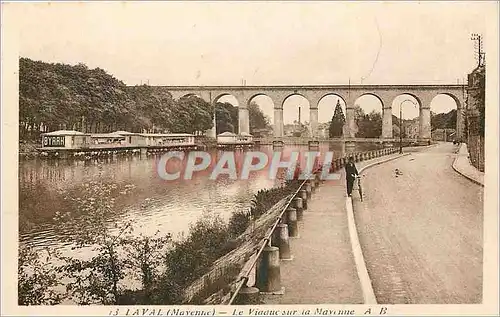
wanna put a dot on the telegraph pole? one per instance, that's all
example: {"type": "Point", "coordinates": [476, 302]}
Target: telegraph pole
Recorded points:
{"type": "Point", "coordinates": [478, 38]}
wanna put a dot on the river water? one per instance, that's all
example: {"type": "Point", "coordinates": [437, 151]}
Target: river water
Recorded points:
{"type": "Point", "coordinates": [152, 204]}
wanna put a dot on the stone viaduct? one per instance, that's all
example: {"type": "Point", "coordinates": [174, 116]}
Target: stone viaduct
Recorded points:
{"type": "Point", "coordinates": [349, 93]}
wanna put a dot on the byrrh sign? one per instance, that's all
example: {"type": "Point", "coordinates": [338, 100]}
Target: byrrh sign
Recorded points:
{"type": "Point", "coordinates": [53, 141]}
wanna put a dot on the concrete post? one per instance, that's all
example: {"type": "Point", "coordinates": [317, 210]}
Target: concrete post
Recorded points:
{"type": "Point", "coordinates": [308, 189]}
{"type": "Point", "coordinates": [303, 195]}
{"type": "Point", "coordinates": [300, 209]}
{"type": "Point", "coordinates": [318, 179]}
{"type": "Point", "coordinates": [278, 122]}
{"type": "Point", "coordinates": [312, 184]}
{"type": "Point", "coordinates": [293, 228]}
{"type": "Point", "coordinates": [268, 272]}
{"type": "Point", "coordinates": [280, 237]}
{"type": "Point", "coordinates": [248, 296]}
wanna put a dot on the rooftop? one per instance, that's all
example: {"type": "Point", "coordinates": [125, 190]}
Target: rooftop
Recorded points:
{"type": "Point", "coordinates": [166, 134]}
{"type": "Point", "coordinates": [64, 132]}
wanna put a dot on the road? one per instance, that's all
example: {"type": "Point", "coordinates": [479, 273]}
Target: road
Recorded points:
{"type": "Point", "coordinates": [422, 232]}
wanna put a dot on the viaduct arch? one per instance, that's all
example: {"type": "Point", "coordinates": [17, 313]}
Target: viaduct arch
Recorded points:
{"type": "Point", "coordinates": [349, 93]}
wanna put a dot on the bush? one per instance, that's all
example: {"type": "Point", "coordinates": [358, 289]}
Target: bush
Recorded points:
{"type": "Point", "coordinates": [99, 280]}
{"type": "Point", "coordinates": [36, 280]}
{"type": "Point", "coordinates": [238, 223]}
{"type": "Point", "coordinates": [193, 256]}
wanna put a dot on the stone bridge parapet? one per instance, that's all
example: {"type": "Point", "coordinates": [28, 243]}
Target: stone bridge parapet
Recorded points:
{"type": "Point", "coordinates": [349, 93]}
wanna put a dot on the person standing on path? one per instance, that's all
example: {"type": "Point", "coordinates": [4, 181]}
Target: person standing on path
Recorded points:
{"type": "Point", "coordinates": [350, 174]}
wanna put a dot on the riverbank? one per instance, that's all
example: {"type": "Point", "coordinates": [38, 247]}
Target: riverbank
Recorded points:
{"type": "Point", "coordinates": [186, 259]}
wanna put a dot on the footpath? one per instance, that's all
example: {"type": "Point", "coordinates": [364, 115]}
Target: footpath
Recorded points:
{"type": "Point", "coordinates": [323, 269]}
{"type": "Point", "coordinates": [463, 166]}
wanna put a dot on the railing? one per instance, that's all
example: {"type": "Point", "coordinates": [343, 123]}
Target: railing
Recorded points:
{"type": "Point", "coordinates": [305, 140]}
{"type": "Point", "coordinates": [266, 241]}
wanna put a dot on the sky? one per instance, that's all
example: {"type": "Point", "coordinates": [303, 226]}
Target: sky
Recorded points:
{"type": "Point", "coordinates": [263, 43]}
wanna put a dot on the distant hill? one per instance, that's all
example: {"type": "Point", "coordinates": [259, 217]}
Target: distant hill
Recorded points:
{"type": "Point", "coordinates": [444, 120]}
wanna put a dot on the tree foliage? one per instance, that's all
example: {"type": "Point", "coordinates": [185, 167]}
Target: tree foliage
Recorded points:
{"type": "Point", "coordinates": [258, 120]}
{"type": "Point", "coordinates": [337, 123]}
{"type": "Point", "coordinates": [226, 117]}
{"type": "Point", "coordinates": [36, 279]}
{"type": "Point", "coordinates": [444, 120]}
{"type": "Point", "coordinates": [369, 125]}
{"type": "Point", "coordinates": [59, 96]}
{"type": "Point", "coordinates": [477, 96]}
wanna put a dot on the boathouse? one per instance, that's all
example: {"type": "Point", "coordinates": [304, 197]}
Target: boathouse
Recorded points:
{"type": "Point", "coordinates": [107, 140]}
{"type": "Point", "coordinates": [232, 139]}
{"type": "Point", "coordinates": [65, 139]}
{"type": "Point", "coordinates": [167, 140]}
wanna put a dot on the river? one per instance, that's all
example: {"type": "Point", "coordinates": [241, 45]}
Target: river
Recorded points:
{"type": "Point", "coordinates": [153, 204]}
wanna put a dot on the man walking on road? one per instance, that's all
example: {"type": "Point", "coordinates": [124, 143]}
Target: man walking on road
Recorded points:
{"type": "Point", "coordinates": [350, 174]}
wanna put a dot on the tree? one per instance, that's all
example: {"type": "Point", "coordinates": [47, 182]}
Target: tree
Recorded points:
{"type": "Point", "coordinates": [337, 123]}
{"type": "Point", "coordinates": [223, 117]}
{"type": "Point", "coordinates": [258, 120]}
{"type": "Point", "coordinates": [369, 125]}
{"type": "Point", "coordinates": [193, 115]}
{"type": "Point", "coordinates": [59, 96]}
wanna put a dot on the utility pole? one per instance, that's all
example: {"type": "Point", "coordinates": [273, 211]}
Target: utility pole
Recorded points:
{"type": "Point", "coordinates": [478, 45]}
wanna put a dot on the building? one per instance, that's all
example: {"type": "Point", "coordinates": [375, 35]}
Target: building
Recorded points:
{"type": "Point", "coordinates": [289, 129]}
{"type": "Point", "coordinates": [166, 140]}
{"type": "Point", "coordinates": [324, 130]}
{"type": "Point", "coordinates": [107, 140]}
{"type": "Point", "coordinates": [262, 133]}
{"type": "Point", "coordinates": [229, 138]}
{"type": "Point", "coordinates": [446, 135]}
{"type": "Point", "coordinates": [65, 139]}
{"type": "Point", "coordinates": [411, 128]}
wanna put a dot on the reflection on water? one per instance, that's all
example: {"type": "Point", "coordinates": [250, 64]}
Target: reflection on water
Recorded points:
{"type": "Point", "coordinates": [154, 204]}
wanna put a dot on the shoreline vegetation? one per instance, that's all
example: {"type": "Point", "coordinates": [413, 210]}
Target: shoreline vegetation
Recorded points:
{"type": "Point", "coordinates": [163, 267]}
